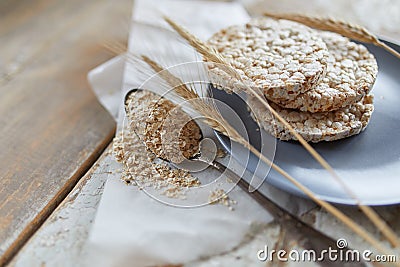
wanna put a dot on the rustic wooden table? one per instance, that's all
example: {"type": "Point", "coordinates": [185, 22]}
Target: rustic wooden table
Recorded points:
{"type": "Point", "coordinates": [52, 127]}
{"type": "Point", "coordinates": [53, 130]}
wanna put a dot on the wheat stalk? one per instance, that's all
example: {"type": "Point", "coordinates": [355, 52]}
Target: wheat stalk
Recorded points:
{"type": "Point", "coordinates": [215, 120]}
{"type": "Point", "coordinates": [349, 30]}
{"type": "Point", "coordinates": [201, 106]}
{"type": "Point", "coordinates": [212, 55]}
{"type": "Point", "coordinates": [208, 52]}
{"type": "Point", "coordinates": [358, 33]}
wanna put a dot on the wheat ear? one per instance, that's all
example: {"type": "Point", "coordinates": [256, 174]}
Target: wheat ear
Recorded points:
{"type": "Point", "coordinates": [358, 33]}
{"type": "Point", "coordinates": [349, 30]}
{"type": "Point", "coordinates": [212, 55]}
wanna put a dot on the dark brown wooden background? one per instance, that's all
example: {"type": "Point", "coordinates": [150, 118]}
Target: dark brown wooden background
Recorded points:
{"type": "Point", "coordinates": [52, 128]}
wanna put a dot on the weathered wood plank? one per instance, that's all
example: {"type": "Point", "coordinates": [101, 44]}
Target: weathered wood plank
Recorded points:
{"type": "Point", "coordinates": [52, 127]}
{"type": "Point", "coordinates": [61, 238]}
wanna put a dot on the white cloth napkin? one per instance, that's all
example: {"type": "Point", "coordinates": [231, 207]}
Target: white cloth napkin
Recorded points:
{"type": "Point", "coordinates": [132, 229]}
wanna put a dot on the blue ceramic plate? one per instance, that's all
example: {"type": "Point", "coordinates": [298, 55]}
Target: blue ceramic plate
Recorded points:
{"type": "Point", "coordinates": [369, 163]}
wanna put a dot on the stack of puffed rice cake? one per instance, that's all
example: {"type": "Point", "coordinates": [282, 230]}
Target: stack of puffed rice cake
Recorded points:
{"type": "Point", "coordinates": [317, 81]}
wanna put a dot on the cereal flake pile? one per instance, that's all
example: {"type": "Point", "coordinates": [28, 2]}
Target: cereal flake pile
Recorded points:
{"type": "Point", "coordinates": [151, 120]}
{"type": "Point", "coordinates": [139, 144]}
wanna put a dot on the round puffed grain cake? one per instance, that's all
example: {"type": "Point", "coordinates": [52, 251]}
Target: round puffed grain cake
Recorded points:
{"type": "Point", "coordinates": [283, 58]}
{"type": "Point", "coordinates": [314, 127]}
{"type": "Point", "coordinates": [351, 73]}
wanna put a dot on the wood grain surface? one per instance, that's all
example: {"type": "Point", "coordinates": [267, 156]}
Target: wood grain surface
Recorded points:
{"type": "Point", "coordinates": [52, 127]}
{"type": "Point", "coordinates": [60, 240]}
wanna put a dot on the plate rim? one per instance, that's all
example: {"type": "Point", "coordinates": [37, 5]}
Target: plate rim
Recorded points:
{"type": "Point", "coordinates": [336, 200]}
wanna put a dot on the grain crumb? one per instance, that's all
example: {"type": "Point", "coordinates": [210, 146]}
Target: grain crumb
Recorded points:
{"type": "Point", "coordinates": [219, 196]}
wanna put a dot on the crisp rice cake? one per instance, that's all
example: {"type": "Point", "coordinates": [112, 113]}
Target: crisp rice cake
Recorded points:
{"type": "Point", "coordinates": [351, 74]}
{"type": "Point", "coordinates": [314, 127]}
{"type": "Point", "coordinates": [281, 57]}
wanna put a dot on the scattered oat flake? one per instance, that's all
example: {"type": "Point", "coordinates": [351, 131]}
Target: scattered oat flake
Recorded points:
{"type": "Point", "coordinates": [219, 196]}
